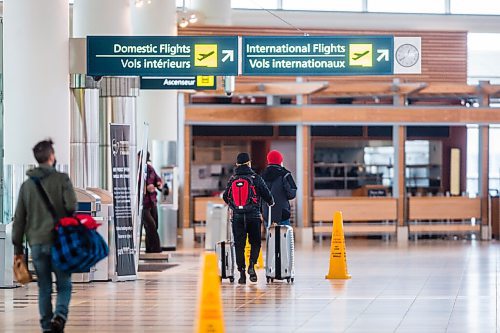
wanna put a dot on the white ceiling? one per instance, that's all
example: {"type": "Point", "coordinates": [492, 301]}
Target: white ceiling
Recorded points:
{"type": "Point", "coordinates": [368, 21]}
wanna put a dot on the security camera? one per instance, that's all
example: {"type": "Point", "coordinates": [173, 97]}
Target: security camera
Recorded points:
{"type": "Point", "coordinates": [229, 85]}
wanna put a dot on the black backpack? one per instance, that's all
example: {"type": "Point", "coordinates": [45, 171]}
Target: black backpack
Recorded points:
{"type": "Point", "coordinates": [242, 194]}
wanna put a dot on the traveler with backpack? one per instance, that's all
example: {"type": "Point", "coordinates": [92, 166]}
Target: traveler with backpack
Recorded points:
{"type": "Point", "coordinates": [280, 181]}
{"type": "Point", "coordinates": [243, 194]}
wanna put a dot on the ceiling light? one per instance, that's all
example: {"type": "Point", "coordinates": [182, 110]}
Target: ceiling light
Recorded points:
{"type": "Point", "coordinates": [139, 3]}
{"type": "Point", "coordinates": [183, 23]}
{"type": "Point", "coordinates": [193, 19]}
{"type": "Point", "coordinates": [149, 2]}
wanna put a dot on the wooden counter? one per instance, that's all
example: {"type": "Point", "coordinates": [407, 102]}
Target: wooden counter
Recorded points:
{"type": "Point", "coordinates": [355, 209]}
{"type": "Point", "coordinates": [444, 208]}
{"type": "Point", "coordinates": [363, 216]}
{"type": "Point", "coordinates": [200, 207]}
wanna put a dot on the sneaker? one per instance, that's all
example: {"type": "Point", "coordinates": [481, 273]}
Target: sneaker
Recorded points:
{"type": "Point", "coordinates": [243, 277]}
{"type": "Point", "coordinates": [252, 273]}
{"type": "Point", "coordinates": [57, 324]}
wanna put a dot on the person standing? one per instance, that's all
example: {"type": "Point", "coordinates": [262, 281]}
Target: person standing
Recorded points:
{"type": "Point", "coordinates": [243, 194]}
{"type": "Point", "coordinates": [149, 208]}
{"type": "Point", "coordinates": [33, 219]}
{"type": "Point", "coordinates": [280, 181]}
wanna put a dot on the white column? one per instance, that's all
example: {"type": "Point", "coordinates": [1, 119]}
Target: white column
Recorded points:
{"type": "Point", "coordinates": [155, 19]}
{"type": "Point", "coordinates": [36, 56]}
{"type": "Point", "coordinates": [101, 17]}
{"type": "Point", "coordinates": [156, 107]}
{"type": "Point", "coordinates": [212, 12]}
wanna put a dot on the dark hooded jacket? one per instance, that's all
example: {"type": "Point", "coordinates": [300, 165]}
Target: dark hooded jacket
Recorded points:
{"type": "Point", "coordinates": [32, 216]}
{"type": "Point", "coordinates": [260, 187]}
{"type": "Point", "coordinates": [280, 181]}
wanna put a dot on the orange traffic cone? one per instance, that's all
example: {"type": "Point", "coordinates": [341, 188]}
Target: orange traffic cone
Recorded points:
{"type": "Point", "coordinates": [338, 260]}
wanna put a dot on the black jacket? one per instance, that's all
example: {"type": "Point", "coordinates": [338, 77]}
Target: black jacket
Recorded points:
{"type": "Point", "coordinates": [283, 188]}
{"type": "Point", "coordinates": [260, 187]}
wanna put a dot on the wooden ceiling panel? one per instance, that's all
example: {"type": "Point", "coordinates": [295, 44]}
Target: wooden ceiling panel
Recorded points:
{"type": "Point", "coordinates": [444, 53]}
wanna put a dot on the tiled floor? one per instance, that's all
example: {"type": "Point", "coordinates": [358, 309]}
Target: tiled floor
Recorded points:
{"type": "Point", "coordinates": [429, 286]}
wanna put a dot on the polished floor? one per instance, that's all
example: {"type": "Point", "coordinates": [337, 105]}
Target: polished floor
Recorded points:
{"type": "Point", "coordinates": [429, 286]}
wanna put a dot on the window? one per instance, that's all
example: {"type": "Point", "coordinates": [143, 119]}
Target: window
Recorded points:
{"type": "Point", "coordinates": [417, 160]}
{"type": "Point", "coordinates": [331, 5]}
{"type": "Point", "coordinates": [407, 6]}
{"type": "Point", "coordinates": [483, 52]}
{"type": "Point", "coordinates": [487, 7]}
{"type": "Point", "coordinates": [255, 4]}
{"type": "Point", "coordinates": [378, 160]}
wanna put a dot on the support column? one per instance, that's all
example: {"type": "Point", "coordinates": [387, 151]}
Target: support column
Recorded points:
{"type": "Point", "coordinates": [36, 62]}
{"type": "Point", "coordinates": [399, 181]}
{"type": "Point", "coordinates": [36, 78]}
{"type": "Point", "coordinates": [98, 17]}
{"type": "Point", "coordinates": [484, 167]}
{"type": "Point", "coordinates": [186, 219]}
{"type": "Point", "coordinates": [114, 98]}
{"type": "Point", "coordinates": [157, 107]}
{"type": "Point", "coordinates": [484, 152]}
{"type": "Point", "coordinates": [187, 201]}
{"type": "Point", "coordinates": [212, 12]}
{"type": "Point", "coordinates": [484, 171]}
{"type": "Point", "coordinates": [304, 183]}
{"type": "Point", "coordinates": [184, 157]}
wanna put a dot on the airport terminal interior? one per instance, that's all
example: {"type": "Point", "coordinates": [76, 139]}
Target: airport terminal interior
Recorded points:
{"type": "Point", "coordinates": [382, 117]}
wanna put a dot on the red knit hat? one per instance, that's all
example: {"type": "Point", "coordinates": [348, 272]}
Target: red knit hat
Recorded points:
{"type": "Point", "coordinates": [274, 157]}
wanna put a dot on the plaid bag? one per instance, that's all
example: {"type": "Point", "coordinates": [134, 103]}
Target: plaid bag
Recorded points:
{"type": "Point", "coordinates": [76, 248]}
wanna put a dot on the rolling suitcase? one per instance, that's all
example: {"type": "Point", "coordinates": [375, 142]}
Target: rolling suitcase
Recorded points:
{"type": "Point", "coordinates": [280, 264]}
{"type": "Point", "coordinates": [226, 256]}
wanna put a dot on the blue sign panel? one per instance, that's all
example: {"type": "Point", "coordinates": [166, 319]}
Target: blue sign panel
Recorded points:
{"type": "Point", "coordinates": [161, 56]}
{"type": "Point", "coordinates": [179, 82]}
{"type": "Point", "coordinates": [318, 55]}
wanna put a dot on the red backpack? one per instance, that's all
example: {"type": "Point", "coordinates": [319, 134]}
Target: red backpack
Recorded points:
{"type": "Point", "coordinates": [242, 194]}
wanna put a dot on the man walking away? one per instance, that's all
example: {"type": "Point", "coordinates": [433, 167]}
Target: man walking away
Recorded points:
{"type": "Point", "coordinates": [243, 194]}
{"type": "Point", "coordinates": [33, 219]}
{"type": "Point", "coordinates": [280, 181]}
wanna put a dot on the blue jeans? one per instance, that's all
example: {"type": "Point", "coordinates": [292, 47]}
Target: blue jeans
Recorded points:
{"type": "Point", "coordinates": [285, 222]}
{"type": "Point", "coordinates": [42, 261]}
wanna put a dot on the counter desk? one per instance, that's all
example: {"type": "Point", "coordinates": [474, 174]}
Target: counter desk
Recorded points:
{"type": "Point", "coordinates": [362, 215]}
{"type": "Point", "coordinates": [444, 215]}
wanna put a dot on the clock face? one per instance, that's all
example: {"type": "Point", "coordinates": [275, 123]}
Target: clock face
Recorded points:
{"type": "Point", "coordinates": [407, 55]}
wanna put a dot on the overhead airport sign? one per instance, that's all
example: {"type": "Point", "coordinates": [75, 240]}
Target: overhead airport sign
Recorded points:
{"type": "Point", "coordinates": [179, 82]}
{"type": "Point", "coordinates": [321, 55]}
{"type": "Point", "coordinates": [161, 56]}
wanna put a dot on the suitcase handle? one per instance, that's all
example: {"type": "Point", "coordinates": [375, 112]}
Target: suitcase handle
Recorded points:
{"type": "Point", "coordinates": [229, 229]}
{"type": "Point", "coordinates": [269, 218]}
